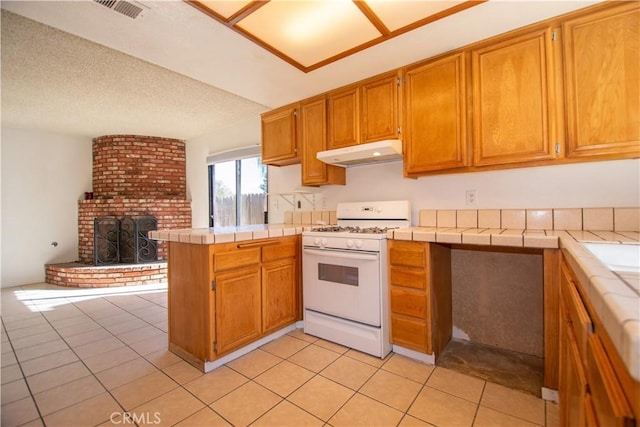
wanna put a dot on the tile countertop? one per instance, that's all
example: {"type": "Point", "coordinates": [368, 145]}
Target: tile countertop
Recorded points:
{"type": "Point", "coordinates": [209, 236]}
{"type": "Point", "coordinates": [615, 296]}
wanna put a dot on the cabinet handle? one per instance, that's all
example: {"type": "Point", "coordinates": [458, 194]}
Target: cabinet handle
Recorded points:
{"type": "Point", "coordinates": [257, 244]}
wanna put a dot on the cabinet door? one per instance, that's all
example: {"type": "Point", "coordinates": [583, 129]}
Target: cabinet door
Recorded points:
{"type": "Point", "coordinates": [344, 118]}
{"type": "Point", "coordinates": [576, 312]}
{"type": "Point", "coordinates": [609, 402]}
{"type": "Point", "coordinates": [314, 139]}
{"type": "Point", "coordinates": [279, 137]}
{"type": "Point", "coordinates": [279, 294]}
{"type": "Point", "coordinates": [602, 69]}
{"type": "Point", "coordinates": [435, 120]}
{"type": "Point", "coordinates": [379, 109]}
{"type": "Point", "coordinates": [513, 98]}
{"type": "Point", "coordinates": [238, 314]}
{"type": "Point", "coordinates": [573, 382]}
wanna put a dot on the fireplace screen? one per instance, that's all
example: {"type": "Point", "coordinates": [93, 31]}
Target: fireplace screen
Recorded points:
{"type": "Point", "coordinates": [124, 240]}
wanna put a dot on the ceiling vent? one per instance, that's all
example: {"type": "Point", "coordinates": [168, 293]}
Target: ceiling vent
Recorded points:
{"type": "Point", "coordinates": [130, 9]}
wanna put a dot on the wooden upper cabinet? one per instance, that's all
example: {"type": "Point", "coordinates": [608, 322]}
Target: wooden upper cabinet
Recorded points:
{"type": "Point", "coordinates": [313, 118]}
{"type": "Point", "coordinates": [435, 115]}
{"type": "Point", "coordinates": [514, 99]}
{"type": "Point", "coordinates": [379, 112]}
{"type": "Point", "coordinates": [602, 71]}
{"type": "Point", "coordinates": [280, 136]}
{"type": "Point", "coordinates": [365, 112]}
{"type": "Point", "coordinates": [344, 118]}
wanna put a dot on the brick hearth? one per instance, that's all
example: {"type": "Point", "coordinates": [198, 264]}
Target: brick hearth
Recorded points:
{"type": "Point", "coordinates": [132, 176]}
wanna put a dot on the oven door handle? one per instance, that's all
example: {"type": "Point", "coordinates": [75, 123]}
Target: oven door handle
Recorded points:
{"type": "Point", "coordinates": [342, 254]}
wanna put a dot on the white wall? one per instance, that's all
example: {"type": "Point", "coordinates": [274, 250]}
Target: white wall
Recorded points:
{"type": "Point", "coordinates": [43, 177]}
{"type": "Point", "coordinates": [595, 184]}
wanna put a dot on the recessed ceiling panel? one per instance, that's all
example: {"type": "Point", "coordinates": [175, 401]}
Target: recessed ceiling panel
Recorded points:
{"type": "Point", "coordinates": [225, 8]}
{"type": "Point", "coordinates": [310, 31]}
{"type": "Point", "coordinates": [398, 14]}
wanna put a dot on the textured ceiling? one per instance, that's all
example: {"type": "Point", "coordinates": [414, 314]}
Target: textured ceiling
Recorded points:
{"type": "Point", "coordinates": [63, 83]}
{"type": "Point", "coordinates": [80, 68]}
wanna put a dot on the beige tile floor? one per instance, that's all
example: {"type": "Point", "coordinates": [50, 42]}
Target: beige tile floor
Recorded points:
{"type": "Point", "coordinates": [73, 357]}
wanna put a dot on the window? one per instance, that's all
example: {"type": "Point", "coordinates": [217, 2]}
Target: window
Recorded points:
{"type": "Point", "coordinates": [237, 191]}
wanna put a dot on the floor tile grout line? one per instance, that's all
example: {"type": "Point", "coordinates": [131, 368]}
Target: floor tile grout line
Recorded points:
{"type": "Point", "coordinates": [315, 374]}
{"type": "Point", "coordinates": [89, 370]}
{"type": "Point", "coordinates": [84, 364]}
{"type": "Point", "coordinates": [24, 378]}
{"type": "Point", "coordinates": [94, 374]}
{"type": "Point", "coordinates": [424, 384]}
{"type": "Point", "coordinates": [475, 413]}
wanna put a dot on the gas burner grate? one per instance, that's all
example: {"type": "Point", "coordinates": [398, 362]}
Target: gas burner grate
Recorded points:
{"type": "Point", "coordinates": [352, 229]}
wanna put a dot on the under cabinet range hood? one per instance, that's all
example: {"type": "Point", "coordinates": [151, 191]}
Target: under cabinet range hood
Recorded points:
{"type": "Point", "coordinates": [363, 154]}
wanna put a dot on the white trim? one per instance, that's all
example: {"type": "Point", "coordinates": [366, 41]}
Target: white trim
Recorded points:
{"type": "Point", "coordinates": [550, 394]}
{"type": "Point", "coordinates": [422, 357]}
{"type": "Point", "coordinates": [234, 154]}
{"type": "Point", "coordinates": [210, 366]}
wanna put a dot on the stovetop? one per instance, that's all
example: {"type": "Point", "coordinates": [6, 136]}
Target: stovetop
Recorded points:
{"type": "Point", "coordinates": [360, 225]}
{"type": "Point", "coordinates": [352, 229]}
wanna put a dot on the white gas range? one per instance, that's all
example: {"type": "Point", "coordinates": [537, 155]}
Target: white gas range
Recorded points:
{"type": "Point", "coordinates": [344, 275]}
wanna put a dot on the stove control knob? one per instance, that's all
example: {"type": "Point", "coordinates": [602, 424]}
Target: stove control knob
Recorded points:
{"type": "Point", "coordinates": [358, 243]}
{"type": "Point", "coordinates": [316, 241]}
{"type": "Point", "coordinates": [323, 242]}
{"type": "Point", "coordinates": [349, 243]}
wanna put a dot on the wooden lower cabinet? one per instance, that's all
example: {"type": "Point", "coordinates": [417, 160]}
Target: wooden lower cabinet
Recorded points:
{"type": "Point", "coordinates": [420, 295]}
{"type": "Point", "coordinates": [225, 296]}
{"type": "Point", "coordinates": [237, 308]}
{"type": "Point", "coordinates": [591, 392]}
{"type": "Point", "coordinates": [279, 294]}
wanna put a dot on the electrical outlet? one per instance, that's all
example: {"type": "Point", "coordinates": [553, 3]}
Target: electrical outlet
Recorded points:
{"type": "Point", "coordinates": [471, 198]}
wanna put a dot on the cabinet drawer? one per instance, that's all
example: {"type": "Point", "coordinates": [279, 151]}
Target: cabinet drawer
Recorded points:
{"type": "Point", "coordinates": [408, 303]}
{"type": "Point", "coordinates": [609, 402]}
{"type": "Point", "coordinates": [409, 333]}
{"type": "Point", "coordinates": [236, 258]}
{"type": "Point", "coordinates": [409, 278]}
{"type": "Point", "coordinates": [286, 248]}
{"type": "Point", "coordinates": [577, 314]}
{"type": "Point", "coordinates": [408, 254]}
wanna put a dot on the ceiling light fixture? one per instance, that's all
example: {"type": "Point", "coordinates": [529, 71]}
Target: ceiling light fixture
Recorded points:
{"type": "Point", "coordinates": [314, 18]}
{"type": "Point", "coordinates": [310, 34]}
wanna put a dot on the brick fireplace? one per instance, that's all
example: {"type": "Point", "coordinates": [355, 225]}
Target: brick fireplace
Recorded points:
{"type": "Point", "coordinates": [132, 176]}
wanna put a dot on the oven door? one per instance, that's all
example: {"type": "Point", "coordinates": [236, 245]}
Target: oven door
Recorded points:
{"type": "Point", "coordinates": [342, 283]}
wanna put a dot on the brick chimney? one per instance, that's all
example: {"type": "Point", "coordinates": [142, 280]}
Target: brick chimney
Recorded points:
{"type": "Point", "coordinates": [135, 175]}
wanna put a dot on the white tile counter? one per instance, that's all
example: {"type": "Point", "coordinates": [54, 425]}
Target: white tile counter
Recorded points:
{"type": "Point", "coordinates": [614, 295]}
{"type": "Point", "coordinates": [210, 236]}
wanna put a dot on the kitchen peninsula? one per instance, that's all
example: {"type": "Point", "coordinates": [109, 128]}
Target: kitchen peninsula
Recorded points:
{"type": "Point", "coordinates": [231, 288]}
